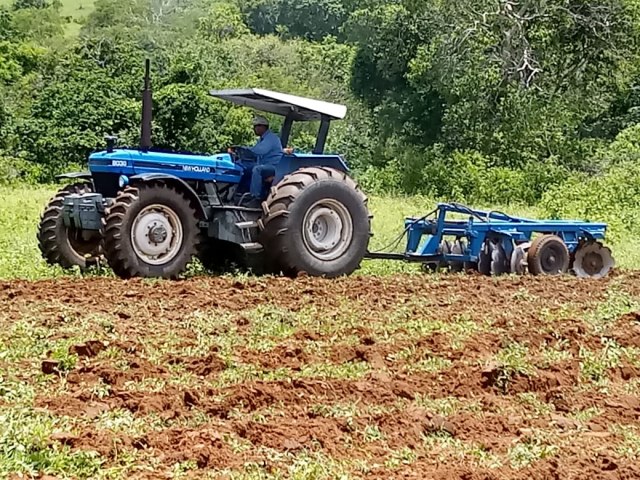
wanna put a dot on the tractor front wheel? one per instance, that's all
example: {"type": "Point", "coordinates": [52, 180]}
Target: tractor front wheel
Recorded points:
{"type": "Point", "coordinates": [151, 231]}
{"type": "Point", "coordinates": [317, 222]}
{"type": "Point", "coordinates": [67, 246]}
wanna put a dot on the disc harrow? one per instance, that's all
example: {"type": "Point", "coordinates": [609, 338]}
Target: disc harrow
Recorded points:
{"type": "Point", "coordinates": [457, 238]}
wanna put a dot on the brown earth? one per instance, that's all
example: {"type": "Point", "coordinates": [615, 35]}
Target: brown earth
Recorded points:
{"type": "Point", "coordinates": [222, 372]}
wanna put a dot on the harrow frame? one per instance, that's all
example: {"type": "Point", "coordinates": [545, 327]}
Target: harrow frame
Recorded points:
{"type": "Point", "coordinates": [425, 235]}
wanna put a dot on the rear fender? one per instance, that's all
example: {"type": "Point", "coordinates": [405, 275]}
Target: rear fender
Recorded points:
{"type": "Point", "coordinates": [290, 163]}
{"type": "Point", "coordinates": [176, 182]}
{"type": "Point", "coordinates": [75, 175]}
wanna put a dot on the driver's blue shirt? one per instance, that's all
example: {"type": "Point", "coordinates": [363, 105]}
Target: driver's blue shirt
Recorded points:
{"type": "Point", "coordinates": [268, 150]}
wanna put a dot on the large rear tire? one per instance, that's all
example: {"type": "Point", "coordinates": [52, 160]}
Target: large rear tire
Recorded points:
{"type": "Point", "coordinates": [64, 246]}
{"type": "Point", "coordinates": [151, 231]}
{"type": "Point", "coordinates": [316, 221]}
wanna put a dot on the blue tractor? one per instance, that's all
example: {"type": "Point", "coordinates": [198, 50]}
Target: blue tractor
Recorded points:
{"type": "Point", "coordinates": [149, 213]}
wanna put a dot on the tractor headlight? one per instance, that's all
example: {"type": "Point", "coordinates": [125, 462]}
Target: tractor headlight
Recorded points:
{"type": "Point", "coordinates": [123, 181]}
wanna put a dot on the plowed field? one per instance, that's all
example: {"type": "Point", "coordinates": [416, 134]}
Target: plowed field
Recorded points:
{"type": "Point", "coordinates": [396, 377]}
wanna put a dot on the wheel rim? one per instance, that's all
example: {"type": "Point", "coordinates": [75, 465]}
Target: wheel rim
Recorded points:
{"type": "Point", "coordinates": [552, 259]}
{"type": "Point", "coordinates": [156, 234]}
{"type": "Point", "coordinates": [327, 229]}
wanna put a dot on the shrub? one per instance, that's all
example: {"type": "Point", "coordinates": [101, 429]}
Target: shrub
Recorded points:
{"type": "Point", "coordinates": [15, 170]}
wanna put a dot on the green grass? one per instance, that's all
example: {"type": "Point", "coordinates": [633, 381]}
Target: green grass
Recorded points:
{"type": "Point", "coordinates": [21, 206]}
{"type": "Point", "coordinates": [24, 446]}
{"type": "Point", "coordinates": [19, 217]}
{"type": "Point", "coordinates": [70, 8]}
{"type": "Point", "coordinates": [75, 10]}
{"type": "Point", "coordinates": [523, 454]}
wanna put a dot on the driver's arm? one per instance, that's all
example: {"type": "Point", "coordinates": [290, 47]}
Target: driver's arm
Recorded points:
{"type": "Point", "coordinates": [270, 144]}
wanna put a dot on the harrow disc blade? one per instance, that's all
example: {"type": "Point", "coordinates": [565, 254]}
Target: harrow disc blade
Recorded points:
{"type": "Point", "coordinates": [458, 248]}
{"type": "Point", "coordinates": [499, 262]}
{"type": "Point", "coordinates": [519, 259]}
{"type": "Point", "coordinates": [593, 260]}
{"type": "Point", "coordinates": [484, 260]}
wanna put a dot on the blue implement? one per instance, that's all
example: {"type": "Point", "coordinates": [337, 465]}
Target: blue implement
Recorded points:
{"type": "Point", "coordinates": [478, 231]}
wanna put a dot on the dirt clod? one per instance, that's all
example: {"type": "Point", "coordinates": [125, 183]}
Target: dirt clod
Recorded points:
{"type": "Point", "coordinates": [50, 367]}
{"type": "Point", "coordinates": [64, 438]}
{"type": "Point", "coordinates": [87, 349]}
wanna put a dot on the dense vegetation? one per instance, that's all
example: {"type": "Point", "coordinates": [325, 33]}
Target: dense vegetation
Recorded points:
{"type": "Point", "coordinates": [476, 100]}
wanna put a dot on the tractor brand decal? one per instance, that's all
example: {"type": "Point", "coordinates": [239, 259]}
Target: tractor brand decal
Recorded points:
{"type": "Point", "coordinates": [196, 169]}
{"type": "Point", "coordinates": [118, 163]}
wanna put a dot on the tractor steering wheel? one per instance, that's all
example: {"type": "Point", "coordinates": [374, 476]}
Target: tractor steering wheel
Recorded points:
{"type": "Point", "coordinates": [240, 155]}
{"type": "Point", "coordinates": [234, 154]}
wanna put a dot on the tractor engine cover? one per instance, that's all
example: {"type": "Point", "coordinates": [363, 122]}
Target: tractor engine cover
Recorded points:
{"type": "Point", "coordinates": [83, 212]}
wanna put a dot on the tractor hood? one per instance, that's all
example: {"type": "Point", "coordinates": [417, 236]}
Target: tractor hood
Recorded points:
{"type": "Point", "coordinates": [218, 167]}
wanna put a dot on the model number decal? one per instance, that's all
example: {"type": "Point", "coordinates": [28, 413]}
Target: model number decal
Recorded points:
{"type": "Point", "coordinates": [196, 169]}
{"type": "Point", "coordinates": [118, 163]}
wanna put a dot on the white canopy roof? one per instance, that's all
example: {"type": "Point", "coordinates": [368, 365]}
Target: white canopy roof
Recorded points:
{"type": "Point", "coordinates": [300, 108]}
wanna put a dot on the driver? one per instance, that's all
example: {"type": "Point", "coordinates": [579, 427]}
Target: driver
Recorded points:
{"type": "Point", "coordinates": [268, 152]}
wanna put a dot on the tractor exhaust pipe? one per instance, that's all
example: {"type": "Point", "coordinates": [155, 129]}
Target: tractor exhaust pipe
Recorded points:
{"type": "Point", "coordinates": [147, 110]}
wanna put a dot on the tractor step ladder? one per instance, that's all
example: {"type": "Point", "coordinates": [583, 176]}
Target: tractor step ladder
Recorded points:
{"type": "Point", "coordinates": [247, 225]}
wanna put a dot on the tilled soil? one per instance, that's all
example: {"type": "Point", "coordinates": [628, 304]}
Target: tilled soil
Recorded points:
{"type": "Point", "coordinates": [393, 377]}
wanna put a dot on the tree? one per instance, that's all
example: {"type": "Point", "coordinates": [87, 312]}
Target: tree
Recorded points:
{"type": "Point", "coordinates": [310, 19]}
{"type": "Point", "coordinates": [513, 80]}
{"type": "Point", "coordinates": [39, 24]}
{"type": "Point", "coordinates": [7, 28]}
{"type": "Point", "coordinates": [223, 20]}
{"type": "Point", "coordinates": [24, 4]}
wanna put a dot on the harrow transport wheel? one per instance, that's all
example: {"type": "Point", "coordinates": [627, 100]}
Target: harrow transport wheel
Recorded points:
{"type": "Point", "coordinates": [316, 221]}
{"type": "Point", "coordinates": [593, 260]}
{"type": "Point", "coordinates": [151, 231]}
{"type": "Point", "coordinates": [64, 246]}
{"type": "Point", "coordinates": [548, 255]}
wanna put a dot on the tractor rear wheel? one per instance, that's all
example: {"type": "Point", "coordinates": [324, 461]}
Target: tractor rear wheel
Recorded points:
{"type": "Point", "coordinates": [67, 247]}
{"type": "Point", "coordinates": [151, 230]}
{"type": "Point", "coordinates": [316, 221]}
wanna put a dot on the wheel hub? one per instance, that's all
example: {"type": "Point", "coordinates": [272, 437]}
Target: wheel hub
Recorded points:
{"type": "Point", "coordinates": [550, 261]}
{"type": "Point", "coordinates": [327, 229]}
{"type": "Point", "coordinates": [156, 235]}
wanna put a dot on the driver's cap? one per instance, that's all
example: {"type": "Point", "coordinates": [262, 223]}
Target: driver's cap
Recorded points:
{"type": "Point", "coordinates": [260, 121]}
